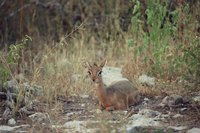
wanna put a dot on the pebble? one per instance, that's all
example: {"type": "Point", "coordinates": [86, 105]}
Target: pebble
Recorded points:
{"type": "Point", "coordinates": [98, 111]}
{"type": "Point", "coordinates": [11, 122]}
{"type": "Point", "coordinates": [177, 116]}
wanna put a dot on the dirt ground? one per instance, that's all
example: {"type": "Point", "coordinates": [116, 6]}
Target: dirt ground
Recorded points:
{"type": "Point", "coordinates": [84, 108]}
{"type": "Point", "coordinates": [190, 111]}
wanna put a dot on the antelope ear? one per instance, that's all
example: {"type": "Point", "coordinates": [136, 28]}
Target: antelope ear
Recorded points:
{"type": "Point", "coordinates": [103, 63]}
{"type": "Point", "coordinates": [87, 65]}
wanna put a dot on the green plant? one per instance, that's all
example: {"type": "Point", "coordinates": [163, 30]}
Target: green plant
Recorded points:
{"type": "Point", "coordinates": [10, 60]}
{"type": "Point", "coordinates": [192, 58]}
{"type": "Point", "coordinates": [160, 43]}
{"type": "Point", "coordinates": [156, 42]}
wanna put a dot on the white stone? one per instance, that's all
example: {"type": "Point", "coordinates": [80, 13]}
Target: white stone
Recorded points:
{"type": "Point", "coordinates": [172, 100]}
{"type": "Point", "coordinates": [194, 130]}
{"type": "Point", "coordinates": [197, 98]}
{"type": "Point", "coordinates": [79, 126]}
{"type": "Point", "coordinates": [111, 75]}
{"type": "Point", "coordinates": [183, 109]}
{"type": "Point", "coordinates": [83, 105]}
{"type": "Point", "coordinates": [144, 118]}
{"type": "Point", "coordinates": [177, 116]}
{"type": "Point", "coordinates": [11, 85]}
{"type": "Point", "coordinates": [40, 117]}
{"type": "Point", "coordinates": [84, 96]}
{"type": "Point", "coordinates": [149, 113]}
{"type": "Point", "coordinates": [70, 114]}
{"type": "Point", "coordinates": [179, 128]}
{"type": "Point", "coordinates": [4, 128]}
{"type": "Point", "coordinates": [144, 79]}
{"type": "Point", "coordinates": [146, 99]}
{"type": "Point", "coordinates": [98, 111]}
{"type": "Point", "coordinates": [11, 122]}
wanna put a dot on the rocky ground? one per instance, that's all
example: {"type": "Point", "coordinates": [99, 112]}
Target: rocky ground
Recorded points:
{"type": "Point", "coordinates": [80, 113]}
{"type": "Point", "coordinates": [168, 114]}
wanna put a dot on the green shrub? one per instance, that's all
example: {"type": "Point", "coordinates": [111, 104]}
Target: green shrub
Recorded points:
{"type": "Point", "coordinates": [10, 60]}
{"type": "Point", "coordinates": [170, 52]}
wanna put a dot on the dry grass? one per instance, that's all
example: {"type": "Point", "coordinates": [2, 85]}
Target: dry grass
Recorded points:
{"type": "Point", "coordinates": [60, 67]}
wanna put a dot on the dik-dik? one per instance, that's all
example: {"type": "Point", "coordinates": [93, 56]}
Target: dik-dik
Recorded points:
{"type": "Point", "coordinates": [119, 95]}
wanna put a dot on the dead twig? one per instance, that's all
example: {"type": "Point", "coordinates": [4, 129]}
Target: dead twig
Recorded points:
{"type": "Point", "coordinates": [72, 32]}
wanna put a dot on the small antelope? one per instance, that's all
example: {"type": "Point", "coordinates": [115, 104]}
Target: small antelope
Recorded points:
{"type": "Point", "coordinates": [118, 96]}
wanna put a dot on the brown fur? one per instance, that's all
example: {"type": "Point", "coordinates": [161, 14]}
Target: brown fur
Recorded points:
{"type": "Point", "coordinates": [118, 96]}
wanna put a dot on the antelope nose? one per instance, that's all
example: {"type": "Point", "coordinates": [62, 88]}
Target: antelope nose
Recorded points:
{"type": "Point", "coordinates": [93, 80]}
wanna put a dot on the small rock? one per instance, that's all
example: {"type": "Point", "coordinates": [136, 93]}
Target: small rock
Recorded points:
{"type": "Point", "coordinates": [11, 86]}
{"type": "Point", "coordinates": [82, 105]}
{"type": "Point", "coordinates": [196, 99]}
{"type": "Point", "coordinates": [148, 130]}
{"type": "Point", "coordinates": [136, 130]}
{"type": "Point", "coordinates": [171, 100]}
{"type": "Point", "coordinates": [146, 99]}
{"type": "Point", "coordinates": [180, 128]}
{"type": "Point", "coordinates": [80, 126]}
{"type": "Point", "coordinates": [111, 75]}
{"type": "Point", "coordinates": [149, 113]}
{"type": "Point", "coordinates": [40, 117]}
{"type": "Point", "coordinates": [194, 130]}
{"type": "Point", "coordinates": [145, 118]}
{"type": "Point", "coordinates": [125, 112]}
{"type": "Point", "coordinates": [164, 116]}
{"type": "Point", "coordinates": [146, 80]}
{"type": "Point", "coordinates": [177, 116]}
{"type": "Point", "coordinates": [84, 96]}
{"type": "Point", "coordinates": [6, 129]}
{"type": "Point", "coordinates": [98, 111]}
{"type": "Point", "coordinates": [36, 90]}
{"type": "Point", "coordinates": [11, 122]}
{"type": "Point", "coordinates": [70, 114]}
{"type": "Point", "coordinates": [183, 109]}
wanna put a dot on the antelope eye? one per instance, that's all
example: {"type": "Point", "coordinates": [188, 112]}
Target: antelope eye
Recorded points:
{"type": "Point", "coordinates": [99, 73]}
{"type": "Point", "coordinates": [89, 73]}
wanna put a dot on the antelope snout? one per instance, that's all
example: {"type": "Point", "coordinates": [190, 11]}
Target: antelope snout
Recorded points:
{"type": "Point", "coordinates": [95, 80]}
